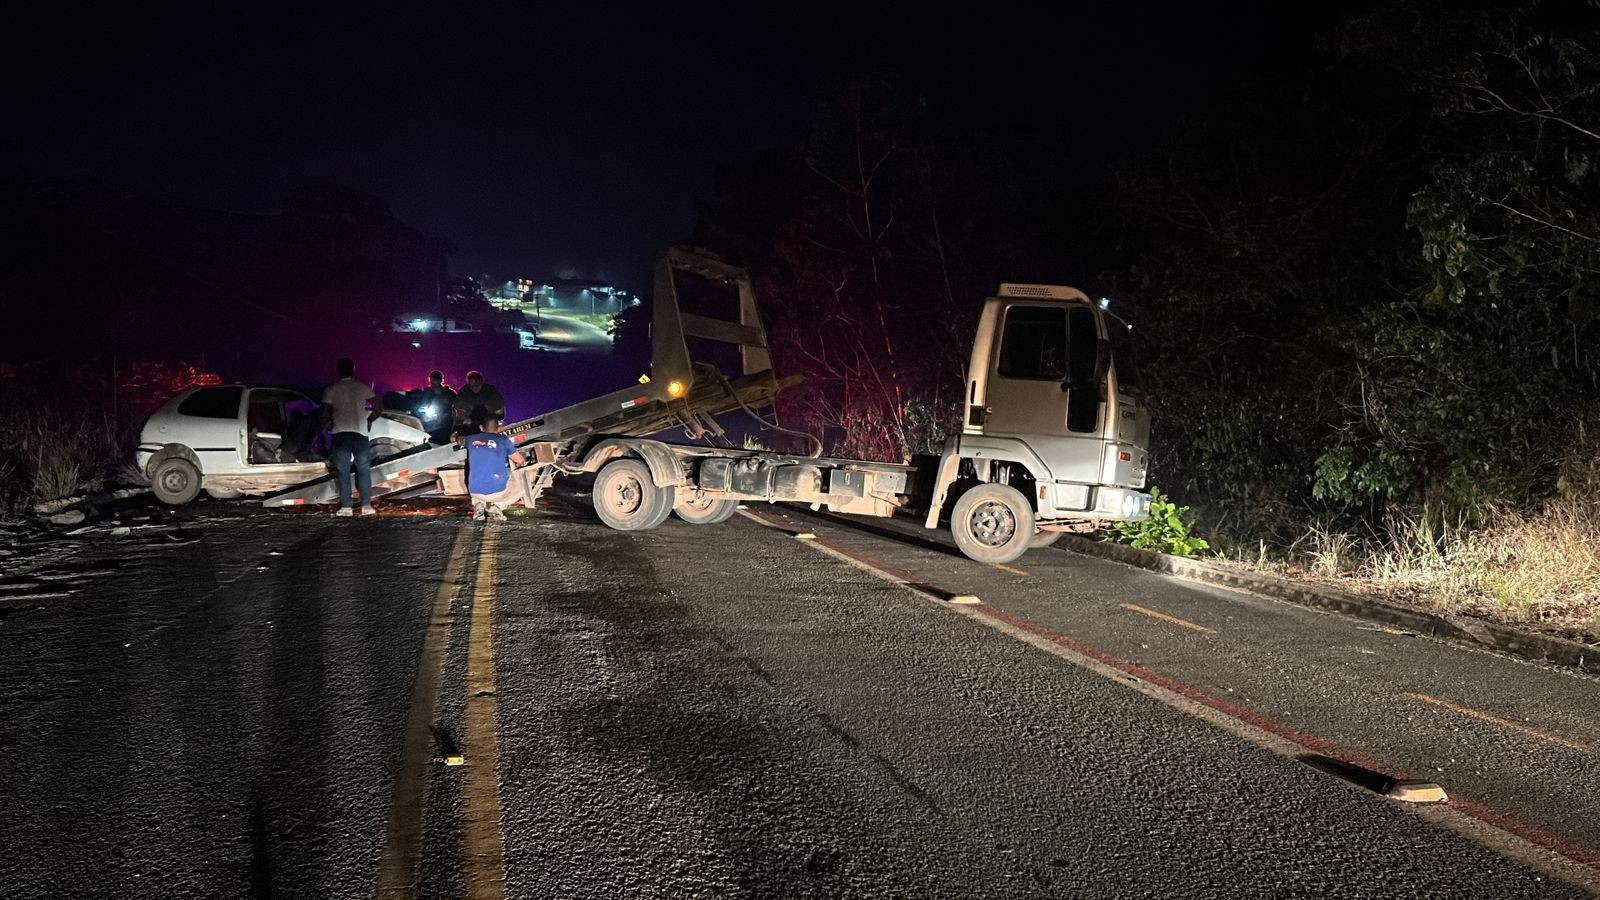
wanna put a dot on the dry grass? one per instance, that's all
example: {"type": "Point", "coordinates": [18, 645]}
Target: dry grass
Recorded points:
{"type": "Point", "coordinates": [55, 474]}
{"type": "Point", "coordinates": [52, 445]}
{"type": "Point", "coordinates": [1539, 570]}
{"type": "Point", "coordinates": [1544, 569]}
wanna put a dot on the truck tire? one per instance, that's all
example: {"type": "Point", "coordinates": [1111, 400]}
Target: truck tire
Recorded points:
{"type": "Point", "coordinates": [704, 510]}
{"type": "Point", "coordinates": [175, 481]}
{"type": "Point", "coordinates": [1045, 539]}
{"type": "Point", "coordinates": [626, 497]}
{"type": "Point", "coordinates": [992, 523]}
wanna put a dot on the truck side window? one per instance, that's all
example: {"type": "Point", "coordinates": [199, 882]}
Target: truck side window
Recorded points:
{"type": "Point", "coordinates": [212, 403]}
{"type": "Point", "coordinates": [1033, 343]}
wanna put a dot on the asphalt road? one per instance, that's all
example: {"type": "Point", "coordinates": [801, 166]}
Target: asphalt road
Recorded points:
{"type": "Point", "coordinates": [286, 704]}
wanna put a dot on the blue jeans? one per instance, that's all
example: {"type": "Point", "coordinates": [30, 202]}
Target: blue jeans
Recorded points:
{"type": "Point", "coordinates": [352, 448]}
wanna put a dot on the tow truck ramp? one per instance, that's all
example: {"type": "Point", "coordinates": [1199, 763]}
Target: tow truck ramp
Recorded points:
{"type": "Point", "coordinates": [681, 392]}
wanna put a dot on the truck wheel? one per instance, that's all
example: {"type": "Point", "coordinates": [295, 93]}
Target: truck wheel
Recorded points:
{"type": "Point", "coordinates": [627, 499]}
{"type": "Point", "coordinates": [1045, 539]}
{"type": "Point", "coordinates": [175, 481]}
{"type": "Point", "coordinates": [704, 510]}
{"type": "Point", "coordinates": [992, 523]}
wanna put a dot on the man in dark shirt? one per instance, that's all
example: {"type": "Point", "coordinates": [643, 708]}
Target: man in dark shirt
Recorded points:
{"type": "Point", "coordinates": [477, 403]}
{"type": "Point", "coordinates": [435, 405]}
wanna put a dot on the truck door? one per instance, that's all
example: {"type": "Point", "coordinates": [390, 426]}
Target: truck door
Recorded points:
{"type": "Point", "coordinates": [1043, 387]}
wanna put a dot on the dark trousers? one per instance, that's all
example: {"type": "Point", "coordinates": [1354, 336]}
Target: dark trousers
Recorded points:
{"type": "Point", "coordinates": [351, 448]}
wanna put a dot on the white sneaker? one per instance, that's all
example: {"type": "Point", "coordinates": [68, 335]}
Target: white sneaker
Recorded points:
{"type": "Point", "coordinates": [345, 511]}
{"type": "Point", "coordinates": [368, 510]}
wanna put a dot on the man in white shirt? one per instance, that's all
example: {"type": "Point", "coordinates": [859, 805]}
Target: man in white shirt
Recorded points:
{"type": "Point", "coordinates": [344, 412]}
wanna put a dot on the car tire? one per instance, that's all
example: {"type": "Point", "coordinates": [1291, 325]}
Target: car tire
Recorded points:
{"type": "Point", "coordinates": [704, 510]}
{"type": "Point", "coordinates": [627, 498]}
{"type": "Point", "coordinates": [386, 448]}
{"type": "Point", "coordinates": [992, 523]}
{"type": "Point", "coordinates": [175, 481]}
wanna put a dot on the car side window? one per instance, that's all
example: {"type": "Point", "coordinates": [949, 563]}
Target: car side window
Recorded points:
{"type": "Point", "coordinates": [213, 403]}
{"type": "Point", "coordinates": [266, 413]}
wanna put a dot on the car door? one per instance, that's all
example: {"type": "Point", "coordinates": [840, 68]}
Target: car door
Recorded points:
{"type": "Point", "coordinates": [265, 431]}
{"type": "Point", "coordinates": [1041, 387]}
{"type": "Point", "coordinates": [208, 422]}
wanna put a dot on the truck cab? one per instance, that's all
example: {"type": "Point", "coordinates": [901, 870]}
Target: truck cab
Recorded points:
{"type": "Point", "coordinates": [1055, 415]}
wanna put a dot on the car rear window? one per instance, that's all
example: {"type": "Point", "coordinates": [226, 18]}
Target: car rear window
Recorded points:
{"type": "Point", "coordinates": [213, 403]}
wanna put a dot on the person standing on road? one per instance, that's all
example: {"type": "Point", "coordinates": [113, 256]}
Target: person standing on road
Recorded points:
{"type": "Point", "coordinates": [436, 407]}
{"type": "Point", "coordinates": [345, 413]}
{"type": "Point", "coordinates": [476, 404]}
{"type": "Point", "coordinates": [488, 476]}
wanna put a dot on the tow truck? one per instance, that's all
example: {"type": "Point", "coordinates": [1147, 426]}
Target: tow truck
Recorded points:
{"type": "Point", "coordinates": [1054, 434]}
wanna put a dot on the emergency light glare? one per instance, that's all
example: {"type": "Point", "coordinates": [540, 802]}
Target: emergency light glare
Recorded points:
{"type": "Point", "coordinates": [674, 389]}
{"type": "Point", "coordinates": [419, 324]}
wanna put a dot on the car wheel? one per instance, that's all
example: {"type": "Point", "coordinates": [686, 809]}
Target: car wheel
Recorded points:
{"type": "Point", "coordinates": [175, 481]}
{"type": "Point", "coordinates": [1045, 539]}
{"type": "Point", "coordinates": [384, 448]}
{"type": "Point", "coordinates": [992, 523]}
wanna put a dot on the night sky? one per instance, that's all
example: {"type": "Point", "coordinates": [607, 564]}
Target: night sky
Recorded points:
{"type": "Point", "coordinates": [575, 143]}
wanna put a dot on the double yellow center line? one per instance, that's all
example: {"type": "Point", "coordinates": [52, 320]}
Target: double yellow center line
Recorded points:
{"type": "Point", "coordinates": [483, 844]}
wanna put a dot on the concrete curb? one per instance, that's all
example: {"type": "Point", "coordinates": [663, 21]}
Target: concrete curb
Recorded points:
{"type": "Point", "coordinates": [1462, 629]}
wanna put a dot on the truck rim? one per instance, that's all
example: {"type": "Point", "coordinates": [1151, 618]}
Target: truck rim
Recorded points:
{"type": "Point", "coordinates": [626, 496]}
{"type": "Point", "coordinates": [993, 523]}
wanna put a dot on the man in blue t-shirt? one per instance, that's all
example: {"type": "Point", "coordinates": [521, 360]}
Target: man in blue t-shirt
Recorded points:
{"type": "Point", "coordinates": [488, 476]}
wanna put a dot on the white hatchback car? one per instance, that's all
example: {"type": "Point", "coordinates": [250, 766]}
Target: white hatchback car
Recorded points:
{"type": "Point", "coordinates": [234, 439]}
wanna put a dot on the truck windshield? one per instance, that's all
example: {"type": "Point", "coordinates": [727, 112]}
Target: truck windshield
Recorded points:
{"type": "Point", "coordinates": [1122, 356]}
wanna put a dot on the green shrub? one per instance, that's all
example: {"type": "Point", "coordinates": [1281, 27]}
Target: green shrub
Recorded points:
{"type": "Point", "coordinates": [1165, 530]}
